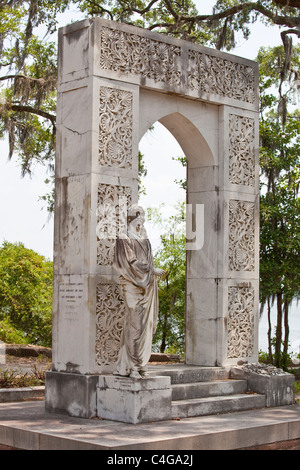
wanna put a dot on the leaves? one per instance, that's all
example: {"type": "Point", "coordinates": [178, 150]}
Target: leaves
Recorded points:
{"type": "Point", "coordinates": [279, 202]}
{"type": "Point", "coordinates": [26, 292]}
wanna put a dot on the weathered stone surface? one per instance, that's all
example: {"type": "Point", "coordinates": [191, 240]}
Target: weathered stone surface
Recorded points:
{"type": "Point", "coordinates": [8, 395]}
{"type": "Point", "coordinates": [277, 385]}
{"type": "Point", "coordinates": [72, 394]}
{"type": "Point", "coordinates": [134, 401]}
{"type": "Point", "coordinates": [215, 405]}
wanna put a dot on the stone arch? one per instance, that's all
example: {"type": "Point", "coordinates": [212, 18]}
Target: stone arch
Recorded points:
{"type": "Point", "coordinates": [114, 82]}
{"type": "Point", "coordinates": [192, 142]}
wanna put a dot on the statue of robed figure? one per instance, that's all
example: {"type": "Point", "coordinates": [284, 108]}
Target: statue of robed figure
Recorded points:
{"type": "Point", "coordinates": [134, 261]}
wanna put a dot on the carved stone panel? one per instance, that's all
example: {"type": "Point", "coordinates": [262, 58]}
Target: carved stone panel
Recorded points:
{"type": "Point", "coordinates": [147, 58]}
{"type": "Point", "coordinates": [138, 55]}
{"type": "Point", "coordinates": [110, 310]}
{"type": "Point", "coordinates": [241, 236]}
{"type": "Point", "coordinates": [240, 325]}
{"type": "Point", "coordinates": [222, 77]}
{"type": "Point", "coordinates": [241, 150]}
{"type": "Point", "coordinates": [113, 201]}
{"type": "Point", "coordinates": [115, 128]}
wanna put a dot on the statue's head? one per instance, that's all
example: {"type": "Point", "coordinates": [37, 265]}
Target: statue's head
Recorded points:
{"type": "Point", "coordinates": [136, 219]}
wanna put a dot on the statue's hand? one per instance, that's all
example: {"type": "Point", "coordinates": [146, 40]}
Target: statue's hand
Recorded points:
{"type": "Point", "coordinates": [159, 272]}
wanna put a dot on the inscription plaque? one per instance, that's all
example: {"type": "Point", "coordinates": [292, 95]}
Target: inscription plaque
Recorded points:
{"type": "Point", "coordinates": [70, 299]}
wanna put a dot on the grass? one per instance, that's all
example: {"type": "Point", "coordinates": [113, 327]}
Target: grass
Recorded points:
{"type": "Point", "coordinates": [14, 378]}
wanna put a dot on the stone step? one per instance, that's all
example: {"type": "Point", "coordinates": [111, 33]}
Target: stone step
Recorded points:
{"type": "Point", "coordinates": [216, 405]}
{"type": "Point", "coordinates": [190, 374]}
{"type": "Point", "coordinates": [187, 391]}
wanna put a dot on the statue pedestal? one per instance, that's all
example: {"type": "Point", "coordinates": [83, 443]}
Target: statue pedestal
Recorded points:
{"type": "Point", "coordinates": [134, 401]}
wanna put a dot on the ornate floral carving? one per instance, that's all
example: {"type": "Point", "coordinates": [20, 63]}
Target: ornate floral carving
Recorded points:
{"type": "Point", "coordinates": [133, 54]}
{"type": "Point", "coordinates": [113, 202]}
{"type": "Point", "coordinates": [115, 128]}
{"type": "Point", "coordinates": [240, 324]}
{"type": "Point", "coordinates": [218, 76]}
{"type": "Point", "coordinates": [110, 312]}
{"type": "Point", "coordinates": [241, 150]}
{"type": "Point", "coordinates": [241, 235]}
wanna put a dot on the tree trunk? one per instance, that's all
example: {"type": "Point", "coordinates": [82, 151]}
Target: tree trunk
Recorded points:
{"type": "Point", "coordinates": [164, 334]}
{"type": "Point", "coordinates": [270, 332]}
{"type": "Point", "coordinates": [278, 330]}
{"type": "Point", "coordinates": [165, 326]}
{"type": "Point", "coordinates": [286, 333]}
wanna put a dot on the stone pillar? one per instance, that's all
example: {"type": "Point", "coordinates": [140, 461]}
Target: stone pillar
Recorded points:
{"type": "Point", "coordinates": [223, 277]}
{"type": "Point", "coordinates": [238, 250]}
{"type": "Point", "coordinates": [96, 179]}
{"type": "Point", "coordinates": [96, 176]}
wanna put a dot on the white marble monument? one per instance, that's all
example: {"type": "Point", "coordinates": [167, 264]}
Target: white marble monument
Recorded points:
{"type": "Point", "coordinates": [114, 82]}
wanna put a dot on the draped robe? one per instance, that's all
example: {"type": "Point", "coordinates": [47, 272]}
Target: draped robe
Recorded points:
{"type": "Point", "coordinates": [134, 261]}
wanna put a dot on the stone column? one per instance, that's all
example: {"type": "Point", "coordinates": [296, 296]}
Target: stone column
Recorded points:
{"type": "Point", "coordinates": [238, 248]}
{"type": "Point", "coordinates": [96, 178]}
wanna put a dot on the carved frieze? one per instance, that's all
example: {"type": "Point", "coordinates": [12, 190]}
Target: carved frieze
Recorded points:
{"type": "Point", "coordinates": [240, 325]}
{"type": "Point", "coordinates": [139, 55]}
{"type": "Point", "coordinates": [133, 54]}
{"type": "Point", "coordinates": [241, 150]}
{"type": "Point", "coordinates": [113, 201]}
{"type": "Point", "coordinates": [110, 312]}
{"type": "Point", "coordinates": [115, 128]}
{"type": "Point", "coordinates": [218, 76]}
{"type": "Point", "coordinates": [241, 235]}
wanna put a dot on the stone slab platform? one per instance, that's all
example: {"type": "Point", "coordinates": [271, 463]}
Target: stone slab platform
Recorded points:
{"type": "Point", "coordinates": [26, 425]}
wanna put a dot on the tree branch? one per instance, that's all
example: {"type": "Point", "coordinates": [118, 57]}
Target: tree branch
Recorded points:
{"type": "Point", "coordinates": [25, 77]}
{"type": "Point", "coordinates": [30, 109]}
{"type": "Point", "coordinates": [251, 6]}
{"type": "Point", "coordinates": [289, 31]}
{"type": "Point", "coordinates": [98, 9]}
{"type": "Point", "coordinates": [145, 10]}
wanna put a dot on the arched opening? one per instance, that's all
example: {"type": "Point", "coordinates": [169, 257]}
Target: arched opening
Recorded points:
{"type": "Point", "coordinates": [163, 196]}
{"type": "Point", "coordinates": [177, 305]}
{"type": "Point", "coordinates": [163, 185]}
{"type": "Point", "coordinates": [192, 142]}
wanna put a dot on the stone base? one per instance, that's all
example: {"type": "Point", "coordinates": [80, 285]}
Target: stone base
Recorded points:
{"type": "Point", "coordinates": [72, 394]}
{"type": "Point", "coordinates": [277, 386]}
{"type": "Point", "coordinates": [134, 401]}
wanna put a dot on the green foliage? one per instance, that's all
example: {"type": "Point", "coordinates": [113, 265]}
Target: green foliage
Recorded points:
{"type": "Point", "coordinates": [25, 294]}
{"type": "Point", "coordinates": [279, 201]}
{"type": "Point", "coordinates": [10, 334]}
{"type": "Point", "coordinates": [28, 77]}
{"type": "Point", "coordinates": [11, 378]}
{"type": "Point", "coordinates": [142, 173]}
{"type": "Point", "coordinates": [170, 256]}
{"type": "Point", "coordinates": [285, 360]}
